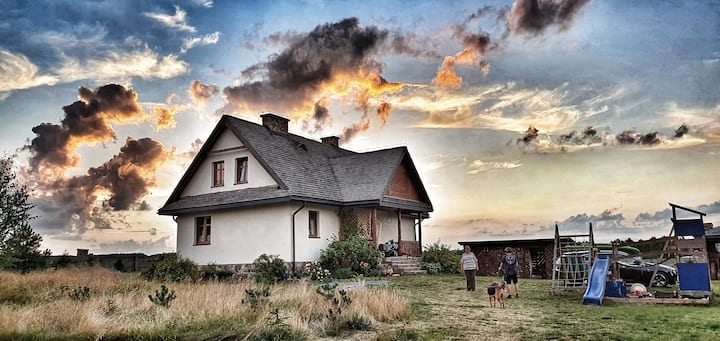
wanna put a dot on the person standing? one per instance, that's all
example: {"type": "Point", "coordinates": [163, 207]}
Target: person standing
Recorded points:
{"type": "Point", "coordinates": [469, 264]}
{"type": "Point", "coordinates": [508, 264]}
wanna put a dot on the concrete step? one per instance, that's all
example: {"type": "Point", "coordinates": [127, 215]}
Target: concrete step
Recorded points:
{"type": "Point", "coordinates": [403, 259]}
{"type": "Point", "coordinates": [415, 272]}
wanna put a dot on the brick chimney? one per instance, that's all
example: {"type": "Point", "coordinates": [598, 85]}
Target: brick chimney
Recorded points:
{"type": "Point", "coordinates": [275, 123]}
{"type": "Point", "coordinates": [331, 140]}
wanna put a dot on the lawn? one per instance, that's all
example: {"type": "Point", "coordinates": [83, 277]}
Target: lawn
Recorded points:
{"type": "Point", "coordinates": [442, 309]}
{"type": "Point", "coordinates": [47, 305]}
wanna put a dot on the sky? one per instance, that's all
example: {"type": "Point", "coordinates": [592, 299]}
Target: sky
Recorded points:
{"type": "Point", "coordinates": [519, 115]}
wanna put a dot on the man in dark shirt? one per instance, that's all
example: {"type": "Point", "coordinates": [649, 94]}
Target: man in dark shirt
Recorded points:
{"type": "Point", "coordinates": [508, 265]}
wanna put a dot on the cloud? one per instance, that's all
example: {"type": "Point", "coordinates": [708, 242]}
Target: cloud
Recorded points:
{"type": "Point", "coordinates": [177, 21]}
{"type": "Point", "coordinates": [534, 140]}
{"type": "Point", "coordinates": [87, 201]}
{"type": "Point", "coordinates": [504, 107]}
{"type": "Point", "coordinates": [350, 132]}
{"type": "Point", "coordinates": [208, 39]}
{"type": "Point", "coordinates": [530, 17]}
{"type": "Point", "coordinates": [333, 61]}
{"type": "Point", "coordinates": [478, 166]}
{"type": "Point", "coordinates": [148, 247]}
{"type": "Point", "coordinates": [201, 93]}
{"type": "Point", "coordinates": [19, 73]}
{"type": "Point", "coordinates": [144, 63]}
{"type": "Point", "coordinates": [86, 121]}
{"type": "Point", "coordinates": [383, 112]}
{"type": "Point", "coordinates": [112, 65]}
{"type": "Point", "coordinates": [204, 3]}
{"type": "Point", "coordinates": [321, 118]}
{"type": "Point", "coordinates": [295, 75]}
{"type": "Point", "coordinates": [473, 53]}
{"type": "Point", "coordinates": [534, 17]}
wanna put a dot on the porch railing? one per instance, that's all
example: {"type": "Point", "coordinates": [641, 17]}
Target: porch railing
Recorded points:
{"type": "Point", "coordinates": [410, 248]}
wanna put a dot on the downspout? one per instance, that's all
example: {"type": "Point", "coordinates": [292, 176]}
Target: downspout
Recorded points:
{"type": "Point", "coordinates": [292, 237]}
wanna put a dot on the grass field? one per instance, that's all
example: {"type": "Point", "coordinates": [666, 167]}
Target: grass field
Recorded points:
{"type": "Point", "coordinates": [41, 306]}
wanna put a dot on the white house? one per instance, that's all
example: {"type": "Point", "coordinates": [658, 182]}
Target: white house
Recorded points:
{"type": "Point", "coordinates": [255, 189]}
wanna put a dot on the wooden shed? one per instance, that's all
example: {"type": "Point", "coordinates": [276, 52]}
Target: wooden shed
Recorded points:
{"type": "Point", "coordinates": [535, 256]}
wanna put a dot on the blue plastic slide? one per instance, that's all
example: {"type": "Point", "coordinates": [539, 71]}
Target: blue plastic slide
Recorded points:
{"type": "Point", "coordinates": [596, 284]}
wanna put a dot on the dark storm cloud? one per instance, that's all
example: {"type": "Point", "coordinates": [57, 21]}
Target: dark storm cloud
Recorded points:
{"type": "Point", "coordinates": [320, 118]}
{"type": "Point", "coordinates": [629, 137]}
{"type": "Point", "coordinates": [681, 131]}
{"type": "Point", "coordinates": [85, 121]}
{"type": "Point", "coordinates": [531, 135]}
{"type": "Point", "coordinates": [587, 137]}
{"type": "Point", "coordinates": [296, 73]}
{"type": "Point", "coordinates": [533, 17]}
{"type": "Point", "coordinates": [126, 178]}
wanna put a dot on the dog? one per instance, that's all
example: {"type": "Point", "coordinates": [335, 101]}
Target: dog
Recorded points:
{"type": "Point", "coordinates": [495, 294]}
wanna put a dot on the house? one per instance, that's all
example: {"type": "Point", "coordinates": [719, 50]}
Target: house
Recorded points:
{"type": "Point", "coordinates": [255, 189]}
{"type": "Point", "coordinates": [535, 256]}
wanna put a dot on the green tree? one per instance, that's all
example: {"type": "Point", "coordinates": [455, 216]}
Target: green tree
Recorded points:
{"type": "Point", "coordinates": [19, 244]}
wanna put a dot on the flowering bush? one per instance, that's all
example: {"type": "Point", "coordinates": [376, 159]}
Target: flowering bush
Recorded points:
{"type": "Point", "coordinates": [316, 272]}
{"type": "Point", "coordinates": [351, 256]}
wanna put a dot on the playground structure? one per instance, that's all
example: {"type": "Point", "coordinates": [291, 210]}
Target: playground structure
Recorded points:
{"type": "Point", "coordinates": [573, 255]}
{"type": "Point", "coordinates": [577, 266]}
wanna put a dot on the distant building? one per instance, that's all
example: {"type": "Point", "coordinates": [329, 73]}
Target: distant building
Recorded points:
{"type": "Point", "coordinates": [535, 256]}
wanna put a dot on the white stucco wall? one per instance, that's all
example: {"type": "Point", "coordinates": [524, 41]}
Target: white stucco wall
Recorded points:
{"type": "Point", "coordinates": [240, 236]}
{"type": "Point", "coordinates": [387, 224]}
{"type": "Point", "coordinates": [201, 182]}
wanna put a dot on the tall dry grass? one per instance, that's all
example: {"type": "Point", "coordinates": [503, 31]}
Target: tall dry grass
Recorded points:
{"type": "Point", "coordinates": [38, 304]}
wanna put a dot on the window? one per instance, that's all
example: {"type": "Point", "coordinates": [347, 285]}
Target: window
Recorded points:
{"type": "Point", "coordinates": [241, 168]}
{"type": "Point", "coordinates": [202, 230]}
{"type": "Point", "coordinates": [313, 224]}
{"type": "Point", "coordinates": [218, 173]}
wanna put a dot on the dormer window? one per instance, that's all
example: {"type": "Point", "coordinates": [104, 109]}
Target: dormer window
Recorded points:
{"type": "Point", "coordinates": [241, 170]}
{"type": "Point", "coordinates": [218, 179]}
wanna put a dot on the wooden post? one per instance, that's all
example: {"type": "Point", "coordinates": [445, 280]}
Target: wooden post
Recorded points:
{"type": "Point", "coordinates": [615, 274]}
{"type": "Point", "coordinates": [373, 227]}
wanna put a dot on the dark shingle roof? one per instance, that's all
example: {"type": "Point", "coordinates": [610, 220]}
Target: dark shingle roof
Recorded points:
{"type": "Point", "coordinates": [304, 169]}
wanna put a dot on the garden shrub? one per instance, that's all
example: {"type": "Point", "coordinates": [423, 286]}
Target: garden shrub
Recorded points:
{"type": "Point", "coordinates": [269, 269]}
{"type": "Point", "coordinates": [353, 253]}
{"type": "Point", "coordinates": [448, 259]}
{"type": "Point", "coordinates": [171, 267]}
{"type": "Point", "coordinates": [432, 268]}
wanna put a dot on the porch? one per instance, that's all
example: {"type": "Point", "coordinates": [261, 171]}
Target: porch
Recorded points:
{"type": "Point", "coordinates": [379, 226]}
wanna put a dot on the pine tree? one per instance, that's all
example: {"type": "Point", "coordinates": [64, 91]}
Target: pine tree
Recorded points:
{"type": "Point", "coordinates": [19, 244]}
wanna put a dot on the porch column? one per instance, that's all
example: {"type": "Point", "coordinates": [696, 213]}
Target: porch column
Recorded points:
{"type": "Point", "coordinates": [420, 231]}
{"type": "Point", "coordinates": [399, 219]}
{"type": "Point", "coordinates": [373, 226]}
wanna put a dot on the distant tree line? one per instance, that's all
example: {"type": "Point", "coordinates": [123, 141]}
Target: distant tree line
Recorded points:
{"type": "Point", "coordinates": [642, 245]}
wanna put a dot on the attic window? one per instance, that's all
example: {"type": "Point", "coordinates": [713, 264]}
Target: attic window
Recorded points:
{"type": "Point", "coordinates": [202, 230]}
{"type": "Point", "coordinates": [218, 179]}
{"type": "Point", "coordinates": [241, 170]}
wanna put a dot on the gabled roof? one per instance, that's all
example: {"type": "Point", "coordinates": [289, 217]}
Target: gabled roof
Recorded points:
{"type": "Point", "coordinates": [305, 170]}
